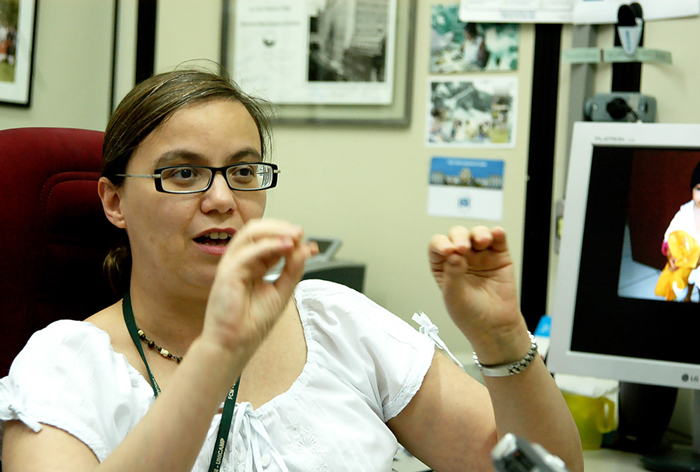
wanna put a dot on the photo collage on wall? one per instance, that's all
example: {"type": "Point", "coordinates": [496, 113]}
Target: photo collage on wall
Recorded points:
{"type": "Point", "coordinates": [471, 103]}
{"type": "Point", "coordinates": [472, 98]}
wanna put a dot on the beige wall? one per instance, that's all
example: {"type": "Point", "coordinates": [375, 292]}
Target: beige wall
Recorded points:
{"type": "Point", "coordinates": [72, 67]}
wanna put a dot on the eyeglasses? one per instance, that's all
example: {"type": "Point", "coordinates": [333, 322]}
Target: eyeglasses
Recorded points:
{"type": "Point", "coordinates": [247, 177]}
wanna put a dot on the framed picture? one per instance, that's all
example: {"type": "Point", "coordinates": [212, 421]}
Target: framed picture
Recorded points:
{"type": "Point", "coordinates": [17, 26]}
{"type": "Point", "coordinates": [323, 61]}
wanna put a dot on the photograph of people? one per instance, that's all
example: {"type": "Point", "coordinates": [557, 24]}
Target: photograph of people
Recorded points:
{"type": "Point", "coordinates": [457, 46]}
{"type": "Point", "coordinates": [474, 52]}
{"type": "Point", "coordinates": [680, 276]}
{"type": "Point", "coordinates": [9, 16]}
{"type": "Point", "coordinates": [341, 52]}
{"type": "Point", "coordinates": [204, 365]}
{"type": "Point", "coordinates": [472, 112]}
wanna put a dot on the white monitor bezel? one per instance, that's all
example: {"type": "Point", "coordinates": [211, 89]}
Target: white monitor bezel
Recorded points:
{"type": "Point", "coordinates": [560, 357]}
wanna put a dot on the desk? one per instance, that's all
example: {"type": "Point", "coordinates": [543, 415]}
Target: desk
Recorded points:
{"type": "Point", "coordinates": [609, 460]}
{"type": "Point", "coordinates": [601, 460]}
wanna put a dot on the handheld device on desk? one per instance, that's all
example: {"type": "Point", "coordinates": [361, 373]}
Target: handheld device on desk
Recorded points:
{"type": "Point", "coordinates": [327, 247]}
{"type": "Point", "coordinates": [514, 454]}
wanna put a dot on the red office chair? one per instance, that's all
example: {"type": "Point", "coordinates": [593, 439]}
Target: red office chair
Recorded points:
{"type": "Point", "coordinates": [53, 232]}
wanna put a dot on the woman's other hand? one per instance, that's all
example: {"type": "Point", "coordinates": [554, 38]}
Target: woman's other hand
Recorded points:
{"type": "Point", "coordinates": [474, 271]}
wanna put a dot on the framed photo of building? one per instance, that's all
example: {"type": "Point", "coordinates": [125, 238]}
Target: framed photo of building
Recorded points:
{"type": "Point", "coordinates": [323, 60]}
{"type": "Point", "coordinates": [17, 25]}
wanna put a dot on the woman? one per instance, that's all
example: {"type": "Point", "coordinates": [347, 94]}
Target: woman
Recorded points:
{"type": "Point", "coordinates": [474, 50]}
{"type": "Point", "coordinates": [680, 246]}
{"type": "Point", "coordinates": [324, 378]}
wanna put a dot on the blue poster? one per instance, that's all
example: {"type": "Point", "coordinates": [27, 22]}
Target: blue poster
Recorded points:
{"type": "Point", "coordinates": [466, 188]}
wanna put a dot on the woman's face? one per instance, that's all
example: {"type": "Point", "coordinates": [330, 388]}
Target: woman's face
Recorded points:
{"type": "Point", "coordinates": [696, 195]}
{"type": "Point", "coordinates": [179, 238]}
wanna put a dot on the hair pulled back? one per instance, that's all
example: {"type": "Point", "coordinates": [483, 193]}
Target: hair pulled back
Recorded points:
{"type": "Point", "coordinates": [142, 111]}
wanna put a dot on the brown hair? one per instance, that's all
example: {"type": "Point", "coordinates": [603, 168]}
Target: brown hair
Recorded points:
{"type": "Point", "coordinates": [142, 111]}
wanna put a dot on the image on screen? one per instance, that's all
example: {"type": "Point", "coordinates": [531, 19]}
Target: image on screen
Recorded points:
{"type": "Point", "coordinates": [661, 245]}
{"type": "Point", "coordinates": [633, 196]}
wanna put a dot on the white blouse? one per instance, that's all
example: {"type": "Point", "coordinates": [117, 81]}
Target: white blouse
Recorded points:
{"type": "Point", "coordinates": [684, 219]}
{"type": "Point", "coordinates": [363, 366]}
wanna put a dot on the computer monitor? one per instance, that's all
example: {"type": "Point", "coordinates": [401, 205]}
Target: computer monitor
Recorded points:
{"type": "Point", "coordinates": [626, 182]}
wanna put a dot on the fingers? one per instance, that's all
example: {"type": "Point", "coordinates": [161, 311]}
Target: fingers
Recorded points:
{"type": "Point", "coordinates": [461, 241]}
{"type": "Point", "coordinates": [439, 249]}
{"type": "Point", "coordinates": [464, 251]}
{"type": "Point", "coordinates": [260, 244]}
{"type": "Point", "coordinates": [256, 230]}
{"type": "Point", "coordinates": [499, 242]}
{"type": "Point", "coordinates": [253, 260]}
{"type": "Point", "coordinates": [294, 266]}
{"type": "Point", "coordinates": [483, 238]}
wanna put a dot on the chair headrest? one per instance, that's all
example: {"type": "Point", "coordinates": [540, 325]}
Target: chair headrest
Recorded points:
{"type": "Point", "coordinates": [54, 232]}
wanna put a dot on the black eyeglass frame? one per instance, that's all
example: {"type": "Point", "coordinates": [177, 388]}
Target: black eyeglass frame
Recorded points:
{"type": "Point", "coordinates": [157, 177]}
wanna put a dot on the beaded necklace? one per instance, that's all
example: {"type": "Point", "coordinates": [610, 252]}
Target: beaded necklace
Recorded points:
{"type": "Point", "coordinates": [163, 352]}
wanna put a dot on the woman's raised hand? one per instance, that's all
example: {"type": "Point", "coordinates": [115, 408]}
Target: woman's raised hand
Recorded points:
{"type": "Point", "coordinates": [242, 306]}
{"type": "Point", "coordinates": [474, 271]}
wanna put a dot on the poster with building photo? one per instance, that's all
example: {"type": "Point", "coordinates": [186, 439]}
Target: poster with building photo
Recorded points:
{"type": "Point", "coordinates": [316, 51]}
{"type": "Point", "coordinates": [472, 111]}
{"type": "Point", "coordinates": [456, 46]}
{"type": "Point", "coordinates": [466, 188]}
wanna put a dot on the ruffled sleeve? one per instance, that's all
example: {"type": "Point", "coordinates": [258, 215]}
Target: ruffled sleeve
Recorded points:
{"type": "Point", "coordinates": [376, 352]}
{"type": "Point", "coordinates": [68, 376]}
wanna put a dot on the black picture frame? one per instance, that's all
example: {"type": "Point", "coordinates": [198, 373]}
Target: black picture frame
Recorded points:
{"type": "Point", "coordinates": [17, 38]}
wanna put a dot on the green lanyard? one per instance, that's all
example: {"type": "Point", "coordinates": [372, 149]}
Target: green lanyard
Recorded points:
{"type": "Point", "coordinates": [229, 404]}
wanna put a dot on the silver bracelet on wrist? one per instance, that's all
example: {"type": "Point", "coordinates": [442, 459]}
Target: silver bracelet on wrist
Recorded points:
{"type": "Point", "coordinates": [505, 370]}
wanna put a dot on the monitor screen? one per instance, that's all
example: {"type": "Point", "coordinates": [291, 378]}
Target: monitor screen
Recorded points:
{"type": "Point", "coordinates": [622, 310]}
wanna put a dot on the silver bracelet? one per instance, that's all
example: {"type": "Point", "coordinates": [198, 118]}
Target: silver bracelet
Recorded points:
{"type": "Point", "coordinates": [505, 370]}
